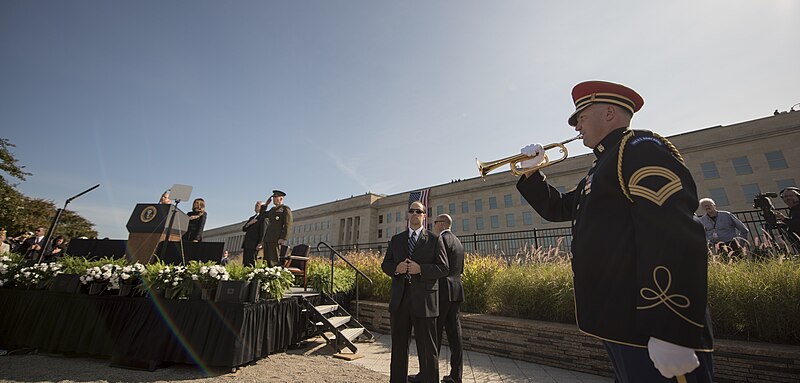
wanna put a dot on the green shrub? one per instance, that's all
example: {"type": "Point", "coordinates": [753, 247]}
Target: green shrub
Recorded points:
{"type": "Point", "coordinates": [318, 273]}
{"type": "Point", "coordinates": [73, 265]}
{"type": "Point", "coordinates": [238, 272]}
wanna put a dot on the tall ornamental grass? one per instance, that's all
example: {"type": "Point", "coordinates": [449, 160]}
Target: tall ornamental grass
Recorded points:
{"type": "Point", "coordinates": [540, 291]}
{"type": "Point", "coordinates": [757, 301]}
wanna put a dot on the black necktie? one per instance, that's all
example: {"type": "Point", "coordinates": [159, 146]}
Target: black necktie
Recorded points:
{"type": "Point", "coordinates": [412, 241]}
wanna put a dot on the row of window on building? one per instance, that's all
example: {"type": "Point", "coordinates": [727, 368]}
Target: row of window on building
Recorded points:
{"type": "Point", "coordinates": [465, 225]}
{"type": "Point", "coordinates": [749, 191]}
{"type": "Point", "coordinates": [453, 208]}
{"type": "Point", "coordinates": [309, 227]}
{"type": "Point", "coordinates": [741, 165]}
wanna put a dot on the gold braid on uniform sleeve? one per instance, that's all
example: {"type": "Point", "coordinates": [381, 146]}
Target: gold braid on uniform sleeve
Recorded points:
{"type": "Point", "coordinates": [625, 138]}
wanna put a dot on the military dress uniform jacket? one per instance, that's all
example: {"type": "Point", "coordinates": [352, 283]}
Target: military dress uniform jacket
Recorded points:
{"type": "Point", "coordinates": [424, 287]}
{"type": "Point", "coordinates": [277, 224]}
{"type": "Point", "coordinates": [639, 256]}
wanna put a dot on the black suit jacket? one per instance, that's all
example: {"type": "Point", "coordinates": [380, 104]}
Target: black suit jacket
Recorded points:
{"type": "Point", "coordinates": [450, 286]}
{"type": "Point", "coordinates": [429, 253]}
{"type": "Point", "coordinates": [253, 233]}
{"type": "Point", "coordinates": [30, 253]}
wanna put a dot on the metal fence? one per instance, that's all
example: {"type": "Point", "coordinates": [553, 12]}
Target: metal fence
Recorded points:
{"type": "Point", "coordinates": [514, 242]}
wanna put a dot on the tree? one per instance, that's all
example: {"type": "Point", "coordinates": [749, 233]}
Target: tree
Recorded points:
{"type": "Point", "coordinates": [8, 163]}
{"type": "Point", "coordinates": [21, 213]}
{"type": "Point", "coordinates": [12, 200]}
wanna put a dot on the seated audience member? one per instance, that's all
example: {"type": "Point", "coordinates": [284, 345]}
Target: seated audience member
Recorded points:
{"type": "Point", "coordinates": [56, 249]}
{"type": "Point", "coordinates": [197, 221]}
{"type": "Point", "coordinates": [18, 243]}
{"type": "Point", "coordinates": [723, 230]}
{"type": "Point", "coordinates": [791, 197]}
{"type": "Point", "coordinates": [225, 258]}
{"type": "Point", "coordinates": [33, 247]}
{"type": "Point", "coordinates": [4, 247]}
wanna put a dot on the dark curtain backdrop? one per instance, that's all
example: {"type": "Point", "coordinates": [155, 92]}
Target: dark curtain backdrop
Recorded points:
{"type": "Point", "coordinates": [140, 329]}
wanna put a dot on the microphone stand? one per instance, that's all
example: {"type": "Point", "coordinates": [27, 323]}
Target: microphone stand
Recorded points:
{"type": "Point", "coordinates": [169, 232]}
{"type": "Point", "coordinates": [55, 222]}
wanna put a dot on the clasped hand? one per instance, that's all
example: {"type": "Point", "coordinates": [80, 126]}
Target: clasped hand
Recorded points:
{"type": "Point", "coordinates": [407, 267]}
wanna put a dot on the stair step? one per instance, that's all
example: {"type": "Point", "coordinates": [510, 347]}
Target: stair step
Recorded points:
{"type": "Point", "coordinates": [352, 333]}
{"type": "Point", "coordinates": [324, 309]}
{"type": "Point", "coordinates": [337, 321]}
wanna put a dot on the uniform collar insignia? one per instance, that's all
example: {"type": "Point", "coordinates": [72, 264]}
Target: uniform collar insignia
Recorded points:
{"type": "Point", "coordinates": [609, 141]}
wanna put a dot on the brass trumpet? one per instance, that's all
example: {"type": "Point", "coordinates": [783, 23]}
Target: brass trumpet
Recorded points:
{"type": "Point", "coordinates": [485, 167]}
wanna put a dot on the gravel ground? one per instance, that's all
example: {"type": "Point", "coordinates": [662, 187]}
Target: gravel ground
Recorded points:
{"type": "Point", "coordinates": [304, 365]}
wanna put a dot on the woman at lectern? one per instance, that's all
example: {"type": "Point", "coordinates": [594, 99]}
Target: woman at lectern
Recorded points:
{"type": "Point", "coordinates": [197, 221]}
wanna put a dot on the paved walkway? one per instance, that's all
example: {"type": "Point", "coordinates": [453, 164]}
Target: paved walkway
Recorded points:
{"type": "Point", "coordinates": [478, 367]}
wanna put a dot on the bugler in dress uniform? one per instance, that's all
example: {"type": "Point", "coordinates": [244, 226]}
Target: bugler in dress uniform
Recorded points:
{"type": "Point", "coordinates": [639, 255]}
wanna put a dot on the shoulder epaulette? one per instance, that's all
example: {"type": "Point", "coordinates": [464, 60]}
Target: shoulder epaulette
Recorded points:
{"type": "Point", "coordinates": [623, 142]}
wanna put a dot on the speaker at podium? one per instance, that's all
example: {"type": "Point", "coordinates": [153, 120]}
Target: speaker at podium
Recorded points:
{"type": "Point", "coordinates": [147, 227]}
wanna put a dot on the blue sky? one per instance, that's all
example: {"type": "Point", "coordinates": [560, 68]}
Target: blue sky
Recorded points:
{"type": "Point", "coordinates": [327, 99]}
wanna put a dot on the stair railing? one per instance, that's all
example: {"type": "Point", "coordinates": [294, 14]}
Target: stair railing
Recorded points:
{"type": "Point", "coordinates": [358, 272]}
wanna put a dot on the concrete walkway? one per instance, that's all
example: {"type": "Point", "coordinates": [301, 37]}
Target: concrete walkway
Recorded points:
{"type": "Point", "coordinates": [478, 367]}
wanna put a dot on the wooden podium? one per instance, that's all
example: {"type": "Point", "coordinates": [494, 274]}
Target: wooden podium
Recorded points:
{"type": "Point", "coordinates": [147, 227]}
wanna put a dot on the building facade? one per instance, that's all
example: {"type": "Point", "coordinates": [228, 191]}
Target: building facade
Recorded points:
{"type": "Point", "coordinates": [730, 164]}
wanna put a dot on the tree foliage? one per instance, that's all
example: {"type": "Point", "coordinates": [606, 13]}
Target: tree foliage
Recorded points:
{"type": "Point", "coordinates": [21, 213]}
{"type": "Point", "coordinates": [8, 163]}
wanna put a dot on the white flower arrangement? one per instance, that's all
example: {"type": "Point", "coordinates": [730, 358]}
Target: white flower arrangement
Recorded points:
{"type": "Point", "coordinates": [131, 273]}
{"type": "Point", "coordinates": [172, 276]}
{"type": "Point", "coordinates": [274, 280]}
{"type": "Point", "coordinates": [209, 276]}
{"type": "Point", "coordinates": [108, 273]}
{"type": "Point", "coordinates": [6, 269]}
{"type": "Point", "coordinates": [31, 276]}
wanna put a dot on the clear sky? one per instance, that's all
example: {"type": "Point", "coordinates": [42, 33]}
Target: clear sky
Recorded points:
{"type": "Point", "coordinates": [325, 99]}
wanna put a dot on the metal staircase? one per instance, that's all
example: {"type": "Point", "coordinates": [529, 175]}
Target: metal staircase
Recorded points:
{"type": "Point", "coordinates": [336, 325]}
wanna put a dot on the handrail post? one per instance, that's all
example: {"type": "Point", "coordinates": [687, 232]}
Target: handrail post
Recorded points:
{"type": "Point", "coordinates": [535, 239]}
{"type": "Point", "coordinates": [332, 260]}
{"type": "Point", "coordinates": [356, 296]}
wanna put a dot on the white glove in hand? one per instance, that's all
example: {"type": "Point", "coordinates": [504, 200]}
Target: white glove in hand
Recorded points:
{"type": "Point", "coordinates": [536, 152]}
{"type": "Point", "coordinates": [671, 359]}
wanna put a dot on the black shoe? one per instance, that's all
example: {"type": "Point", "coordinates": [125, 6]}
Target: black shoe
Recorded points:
{"type": "Point", "coordinates": [414, 379]}
{"type": "Point", "coordinates": [448, 379]}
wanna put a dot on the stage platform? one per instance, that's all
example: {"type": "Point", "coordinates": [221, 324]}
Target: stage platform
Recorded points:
{"type": "Point", "coordinates": [142, 332]}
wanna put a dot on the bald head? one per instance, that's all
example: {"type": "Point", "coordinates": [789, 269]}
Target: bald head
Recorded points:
{"type": "Point", "coordinates": [442, 222]}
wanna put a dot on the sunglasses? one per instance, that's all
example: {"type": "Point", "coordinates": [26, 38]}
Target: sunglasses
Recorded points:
{"type": "Point", "coordinates": [416, 211]}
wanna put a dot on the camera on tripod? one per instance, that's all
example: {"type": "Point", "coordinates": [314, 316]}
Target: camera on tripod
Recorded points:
{"type": "Point", "coordinates": [763, 202]}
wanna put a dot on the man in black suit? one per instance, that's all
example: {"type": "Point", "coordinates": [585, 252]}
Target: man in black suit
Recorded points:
{"type": "Point", "coordinates": [33, 246]}
{"type": "Point", "coordinates": [253, 233]}
{"type": "Point", "coordinates": [451, 294]}
{"type": "Point", "coordinates": [415, 260]}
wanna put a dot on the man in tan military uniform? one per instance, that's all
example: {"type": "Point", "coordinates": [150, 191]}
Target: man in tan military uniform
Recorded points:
{"type": "Point", "coordinates": [278, 222]}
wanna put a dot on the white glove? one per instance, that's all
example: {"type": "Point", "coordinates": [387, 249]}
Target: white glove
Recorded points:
{"type": "Point", "coordinates": [536, 152]}
{"type": "Point", "coordinates": [671, 359]}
